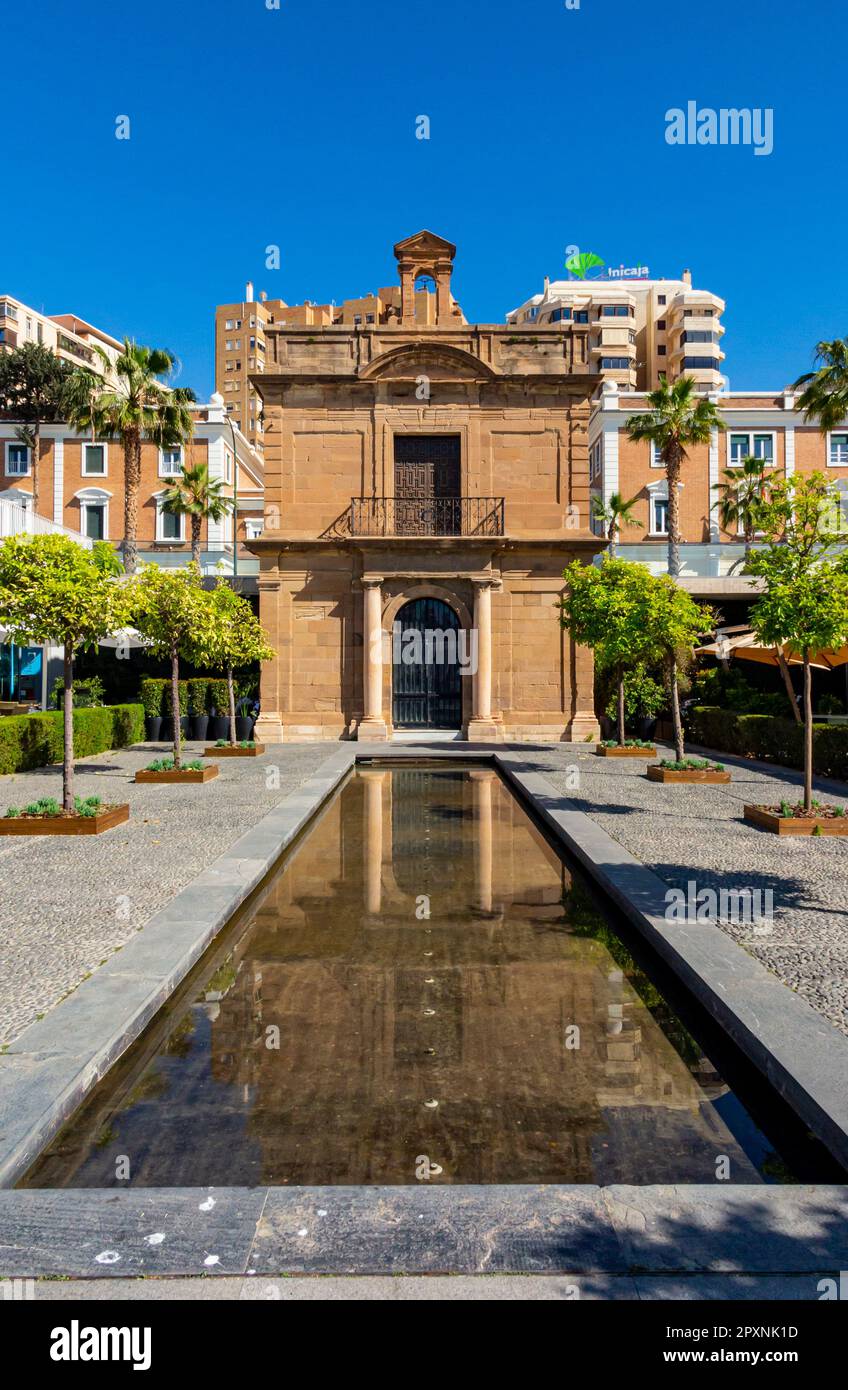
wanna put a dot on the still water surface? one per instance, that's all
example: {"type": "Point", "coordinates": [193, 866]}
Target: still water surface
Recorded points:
{"type": "Point", "coordinates": [424, 991]}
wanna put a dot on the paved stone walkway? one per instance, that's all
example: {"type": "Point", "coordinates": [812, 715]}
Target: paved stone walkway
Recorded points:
{"type": "Point", "coordinates": [69, 902]}
{"type": "Point", "coordinates": [696, 833]}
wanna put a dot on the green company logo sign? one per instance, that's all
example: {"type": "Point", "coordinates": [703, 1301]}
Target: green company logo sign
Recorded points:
{"type": "Point", "coordinates": [581, 262]}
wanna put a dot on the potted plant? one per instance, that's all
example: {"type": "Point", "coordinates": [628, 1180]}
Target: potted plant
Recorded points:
{"type": "Point", "coordinates": [88, 693]}
{"type": "Point", "coordinates": [606, 607]}
{"type": "Point", "coordinates": [232, 637]}
{"type": "Point", "coordinates": [219, 722]}
{"type": "Point", "coordinates": [168, 721]}
{"type": "Point", "coordinates": [197, 696]}
{"type": "Point", "coordinates": [52, 590]}
{"type": "Point", "coordinates": [644, 697]}
{"type": "Point", "coordinates": [171, 610]}
{"type": "Point", "coordinates": [803, 609]}
{"type": "Point", "coordinates": [151, 695]}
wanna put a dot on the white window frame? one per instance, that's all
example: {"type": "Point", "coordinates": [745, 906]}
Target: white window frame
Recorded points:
{"type": "Point", "coordinates": [165, 471]}
{"type": "Point", "coordinates": [179, 517]}
{"type": "Point", "coordinates": [657, 492]}
{"type": "Point", "coordinates": [97, 444]}
{"type": "Point", "coordinates": [836, 463]}
{"type": "Point", "coordinates": [228, 466]}
{"type": "Point", "coordinates": [750, 433]}
{"type": "Point", "coordinates": [253, 527]}
{"type": "Point", "coordinates": [93, 497]}
{"type": "Point", "coordinates": [17, 472]}
{"type": "Point", "coordinates": [656, 461]}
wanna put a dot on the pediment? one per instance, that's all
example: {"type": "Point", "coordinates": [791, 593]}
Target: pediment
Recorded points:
{"type": "Point", "coordinates": [438, 361]}
{"type": "Point", "coordinates": [424, 243]}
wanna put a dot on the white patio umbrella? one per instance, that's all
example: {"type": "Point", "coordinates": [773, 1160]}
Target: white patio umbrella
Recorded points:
{"type": "Point", "coordinates": [124, 637]}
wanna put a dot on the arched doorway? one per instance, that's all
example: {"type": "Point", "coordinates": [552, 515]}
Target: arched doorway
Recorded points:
{"type": "Point", "coordinates": [426, 673]}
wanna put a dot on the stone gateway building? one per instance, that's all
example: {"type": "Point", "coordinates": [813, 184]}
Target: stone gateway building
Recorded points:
{"type": "Point", "coordinates": [426, 483]}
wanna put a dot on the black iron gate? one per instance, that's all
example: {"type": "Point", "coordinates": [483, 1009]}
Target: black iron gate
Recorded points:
{"type": "Point", "coordinates": [426, 676]}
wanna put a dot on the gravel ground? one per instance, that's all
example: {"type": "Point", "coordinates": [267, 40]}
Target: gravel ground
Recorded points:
{"type": "Point", "coordinates": [696, 833]}
{"type": "Point", "coordinates": [70, 902]}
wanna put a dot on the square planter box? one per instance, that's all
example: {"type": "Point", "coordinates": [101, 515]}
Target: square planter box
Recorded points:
{"type": "Point", "coordinates": [203, 774]}
{"type": "Point", "coordinates": [254, 752]}
{"type": "Point", "coordinates": [619, 752]}
{"type": "Point", "coordinates": [66, 825]}
{"type": "Point", "coordinates": [795, 825]}
{"type": "Point", "coordinates": [692, 774]}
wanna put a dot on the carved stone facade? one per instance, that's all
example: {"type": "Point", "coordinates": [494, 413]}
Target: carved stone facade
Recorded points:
{"type": "Point", "coordinates": [484, 520]}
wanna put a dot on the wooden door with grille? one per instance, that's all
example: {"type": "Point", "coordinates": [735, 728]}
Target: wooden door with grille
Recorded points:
{"type": "Point", "coordinates": [427, 485]}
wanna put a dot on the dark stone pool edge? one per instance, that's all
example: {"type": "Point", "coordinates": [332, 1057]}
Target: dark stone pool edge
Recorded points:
{"type": "Point", "coordinates": [717, 1229]}
{"type": "Point", "coordinates": [800, 1053]}
{"type": "Point", "coordinates": [50, 1068]}
{"type": "Point", "coordinates": [666, 1230]}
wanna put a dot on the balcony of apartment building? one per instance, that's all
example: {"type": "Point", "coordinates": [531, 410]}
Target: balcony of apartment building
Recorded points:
{"type": "Point", "coordinates": [8, 324]}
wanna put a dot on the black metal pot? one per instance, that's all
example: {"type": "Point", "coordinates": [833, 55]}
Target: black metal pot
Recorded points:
{"type": "Point", "coordinates": [646, 727]}
{"type": "Point", "coordinates": [167, 732]}
{"type": "Point", "coordinates": [153, 726]}
{"type": "Point", "coordinates": [607, 726]}
{"type": "Point", "coordinates": [199, 726]}
{"type": "Point", "coordinates": [219, 727]}
{"type": "Point", "coordinates": [244, 727]}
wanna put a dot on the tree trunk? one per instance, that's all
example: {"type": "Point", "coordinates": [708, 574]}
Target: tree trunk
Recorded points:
{"type": "Point", "coordinates": [676, 722]}
{"type": "Point", "coordinates": [68, 752]}
{"type": "Point", "coordinates": [132, 483]}
{"type": "Point", "coordinates": [621, 735]}
{"type": "Point", "coordinates": [175, 706]}
{"type": "Point", "coordinates": [672, 472]}
{"type": "Point", "coordinates": [195, 539]}
{"type": "Point", "coordinates": [232, 701]}
{"type": "Point", "coordinates": [787, 681]}
{"type": "Point", "coordinates": [808, 733]}
{"type": "Point", "coordinates": [36, 450]}
{"type": "Point", "coordinates": [611, 538]}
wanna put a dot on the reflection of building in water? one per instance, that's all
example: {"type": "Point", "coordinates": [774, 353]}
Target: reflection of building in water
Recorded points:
{"type": "Point", "coordinates": [382, 1008]}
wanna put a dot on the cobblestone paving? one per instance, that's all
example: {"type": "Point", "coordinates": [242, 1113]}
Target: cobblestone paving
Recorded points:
{"type": "Point", "coordinates": [68, 902]}
{"type": "Point", "coordinates": [696, 833]}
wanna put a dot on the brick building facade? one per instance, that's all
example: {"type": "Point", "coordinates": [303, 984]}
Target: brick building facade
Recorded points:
{"type": "Point", "coordinates": [419, 479]}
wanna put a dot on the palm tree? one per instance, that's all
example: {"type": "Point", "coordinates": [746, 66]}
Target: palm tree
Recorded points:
{"type": "Point", "coordinates": [678, 418]}
{"type": "Point", "coordinates": [198, 496]}
{"type": "Point", "coordinates": [138, 406]}
{"type": "Point", "coordinates": [742, 491]}
{"type": "Point", "coordinates": [614, 514]}
{"type": "Point", "coordinates": [825, 391]}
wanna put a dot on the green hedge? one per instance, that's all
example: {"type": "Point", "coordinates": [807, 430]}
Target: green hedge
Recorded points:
{"type": "Point", "coordinates": [36, 740]}
{"type": "Point", "coordinates": [198, 695]}
{"type": "Point", "coordinates": [773, 740]}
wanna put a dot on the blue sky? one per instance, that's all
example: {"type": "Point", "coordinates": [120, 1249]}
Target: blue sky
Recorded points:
{"type": "Point", "coordinates": [547, 129]}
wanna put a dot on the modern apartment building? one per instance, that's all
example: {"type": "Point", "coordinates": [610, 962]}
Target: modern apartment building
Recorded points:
{"type": "Point", "coordinates": [81, 488]}
{"type": "Point", "coordinates": [241, 329]}
{"type": "Point", "coordinates": [639, 329]}
{"type": "Point", "coordinates": [765, 424]}
{"type": "Point", "coordinates": [70, 337]}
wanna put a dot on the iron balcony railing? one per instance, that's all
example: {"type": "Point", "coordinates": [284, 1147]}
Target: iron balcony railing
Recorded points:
{"type": "Point", "coordinates": [427, 516]}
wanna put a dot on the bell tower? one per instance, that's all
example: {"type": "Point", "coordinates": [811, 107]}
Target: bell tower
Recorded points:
{"type": "Point", "coordinates": [430, 255]}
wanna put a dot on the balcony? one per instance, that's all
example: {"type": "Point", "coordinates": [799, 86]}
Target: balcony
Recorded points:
{"type": "Point", "coordinates": [426, 516]}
